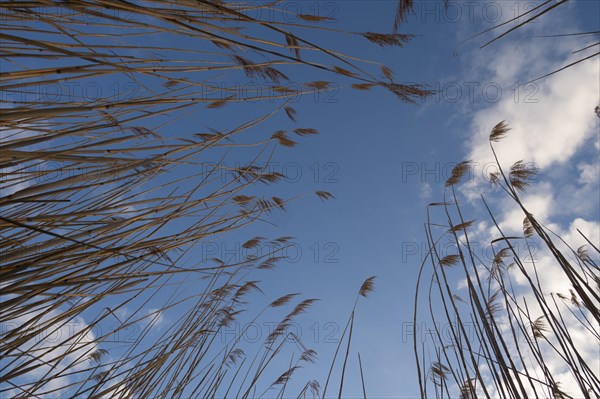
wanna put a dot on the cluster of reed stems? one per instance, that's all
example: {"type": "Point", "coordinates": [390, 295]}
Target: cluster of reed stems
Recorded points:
{"type": "Point", "coordinates": [105, 193]}
{"type": "Point", "coordinates": [508, 336]}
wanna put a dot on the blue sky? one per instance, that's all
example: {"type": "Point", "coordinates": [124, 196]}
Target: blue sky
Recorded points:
{"type": "Point", "coordinates": [391, 159]}
{"type": "Point", "coordinates": [384, 161]}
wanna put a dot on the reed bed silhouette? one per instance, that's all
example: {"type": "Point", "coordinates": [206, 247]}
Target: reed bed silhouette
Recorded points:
{"type": "Point", "coordinates": [505, 338]}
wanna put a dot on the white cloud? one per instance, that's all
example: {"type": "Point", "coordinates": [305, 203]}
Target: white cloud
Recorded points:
{"type": "Point", "coordinates": [589, 173]}
{"type": "Point", "coordinates": [424, 190]}
{"type": "Point", "coordinates": [551, 119]}
{"type": "Point", "coordinates": [56, 350]}
{"type": "Point", "coordinates": [549, 132]}
{"type": "Point", "coordinates": [155, 317]}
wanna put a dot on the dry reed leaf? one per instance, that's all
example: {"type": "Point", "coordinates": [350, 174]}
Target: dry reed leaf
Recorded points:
{"type": "Point", "coordinates": [458, 172]}
{"type": "Point", "coordinates": [291, 113]}
{"type": "Point", "coordinates": [285, 377]}
{"type": "Point", "coordinates": [367, 286]}
{"type": "Point", "coordinates": [449, 260]}
{"type": "Point", "coordinates": [388, 39]}
{"type": "Point", "coordinates": [318, 85]}
{"type": "Point", "coordinates": [279, 202]}
{"type": "Point", "coordinates": [315, 18]}
{"type": "Point", "coordinates": [538, 327]}
{"type": "Point", "coordinates": [292, 44]}
{"type": "Point", "coordinates": [461, 226]}
{"type": "Point", "coordinates": [282, 301]}
{"type": "Point", "coordinates": [253, 242]}
{"type": "Point", "coordinates": [528, 229]}
{"type": "Point", "coordinates": [282, 139]}
{"type": "Point", "coordinates": [305, 131]}
{"type": "Point", "coordinates": [309, 356]}
{"type": "Point", "coordinates": [363, 86]}
{"type": "Point", "coordinates": [324, 195]}
{"type": "Point", "coordinates": [521, 175]}
{"type": "Point", "coordinates": [220, 103]}
{"type": "Point", "coordinates": [387, 72]}
{"type": "Point", "coordinates": [439, 371]}
{"type": "Point", "coordinates": [345, 72]}
{"type": "Point", "coordinates": [302, 307]}
{"type": "Point", "coordinates": [499, 131]}
{"type": "Point", "coordinates": [403, 9]}
{"type": "Point", "coordinates": [582, 253]}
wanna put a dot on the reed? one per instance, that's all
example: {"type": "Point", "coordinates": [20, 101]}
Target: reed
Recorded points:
{"type": "Point", "coordinates": [105, 191]}
{"type": "Point", "coordinates": [510, 337]}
